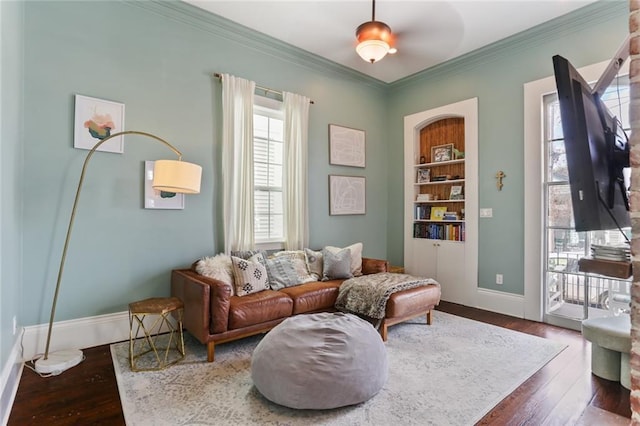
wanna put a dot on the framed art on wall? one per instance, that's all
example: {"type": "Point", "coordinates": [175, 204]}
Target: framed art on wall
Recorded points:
{"type": "Point", "coordinates": [154, 199]}
{"type": "Point", "coordinates": [346, 146]}
{"type": "Point", "coordinates": [347, 195]}
{"type": "Point", "coordinates": [95, 119]}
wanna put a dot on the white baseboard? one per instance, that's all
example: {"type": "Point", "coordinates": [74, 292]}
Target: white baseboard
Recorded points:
{"type": "Point", "coordinates": [500, 302]}
{"type": "Point", "coordinates": [76, 334]}
{"type": "Point", "coordinates": [9, 381]}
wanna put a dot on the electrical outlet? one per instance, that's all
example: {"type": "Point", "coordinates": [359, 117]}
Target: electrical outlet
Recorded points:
{"type": "Point", "coordinates": [15, 325]}
{"type": "Point", "coordinates": [498, 278]}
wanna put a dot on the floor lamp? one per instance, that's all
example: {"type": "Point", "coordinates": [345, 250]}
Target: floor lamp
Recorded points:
{"type": "Point", "coordinates": [168, 175]}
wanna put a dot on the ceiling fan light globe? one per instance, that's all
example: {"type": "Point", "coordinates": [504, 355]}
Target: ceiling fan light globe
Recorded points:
{"type": "Point", "coordinates": [372, 50]}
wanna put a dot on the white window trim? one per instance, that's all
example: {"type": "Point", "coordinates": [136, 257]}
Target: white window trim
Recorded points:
{"type": "Point", "coordinates": [534, 194]}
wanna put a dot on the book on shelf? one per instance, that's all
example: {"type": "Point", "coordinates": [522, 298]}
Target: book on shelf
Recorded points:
{"type": "Point", "coordinates": [438, 231]}
{"type": "Point", "coordinates": [450, 216]}
{"type": "Point", "coordinates": [422, 212]}
{"type": "Point", "coordinates": [437, 212]}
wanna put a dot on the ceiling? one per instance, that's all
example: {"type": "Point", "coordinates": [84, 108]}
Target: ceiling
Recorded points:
{"type": "Point", "coordinates": [428, 32]}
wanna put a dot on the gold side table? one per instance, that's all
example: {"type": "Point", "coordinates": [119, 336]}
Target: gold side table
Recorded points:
{"type": "Point", "coordinates": [161, 342]}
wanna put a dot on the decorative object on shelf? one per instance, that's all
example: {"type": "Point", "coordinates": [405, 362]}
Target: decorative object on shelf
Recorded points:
{"type": "Point", "coordinates": [424, 175]}
{"type": "Point", "coordinates": [456, 193]}
{"type": "Point", "coordinates": [423, 197]}
{"type": "Point", "coordinates": [96, 120]}
{"type": "Point", "coordinates": [374, 39]}
{"type": "Point", "coordinates": [346, 146]}
{"type": "Point", "coordinates": [450, 216]}
{"type": "Point", "coordinates": [157, 199]}
{"type": "Point", "coordinates": [441, 153]}
{"type": "Point", "coordinates": [458, 155]}
{"type": "Point", "coordinates": [440, 178]}
{"type": "Point", "coordinates": [437, 213]}
{"type": "Point", "coordinates": [423, 159]}
{"type": "Point", "coordinates": [500, 175]}
{"type": "Point", "coordinates": [347, 195]}
{"type": "Point", "coordinates": [169, 175]}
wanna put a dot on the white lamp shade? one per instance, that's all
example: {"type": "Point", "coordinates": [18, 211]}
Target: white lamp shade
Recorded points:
{"type": "Point", "coordinates": [372, 50]}
{"type": "Point", "coordinates": [177, 176]}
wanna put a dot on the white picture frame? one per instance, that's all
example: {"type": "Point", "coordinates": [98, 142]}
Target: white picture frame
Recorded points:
{"type": "Point", "coordinates": [347, 195]}
{"type": "Point", "coordinates": [347, 146]}
{"type": "Point", "coordinates": [94, 120]}
{"type": "Point", "coordinates": [154, 199]}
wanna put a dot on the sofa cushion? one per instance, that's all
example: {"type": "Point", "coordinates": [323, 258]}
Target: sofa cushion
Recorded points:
{"type": "Point", "coordinates": [258, 307]}
{"type": "Point", "coordinates": [356, 257]}
{"type": "Point", "coordinates": [250, 275]}
{"type": "Point", "coordinates": [315, 296]}
{"type": "Point", "coordinates": [218, 267]}
{"type": "Point", "coordinates": [407, 302]}
{"type": "Point", "coordinates": [336, 265]}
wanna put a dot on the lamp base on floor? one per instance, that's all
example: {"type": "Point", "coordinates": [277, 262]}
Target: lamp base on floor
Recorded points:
{"type": "Point", "coordinates": [59, 361]}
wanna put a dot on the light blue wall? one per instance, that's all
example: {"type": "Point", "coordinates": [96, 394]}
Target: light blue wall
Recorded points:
{"type": "Point", "coordinates": [496, 76]}
{"type": "Point", "coordinates": [158, 59]}
{"type": "Point", "coordinates": [11, 82]}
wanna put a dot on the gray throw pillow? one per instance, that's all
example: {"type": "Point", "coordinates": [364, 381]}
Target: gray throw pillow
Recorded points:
{"type": "Point", "coordinates": [336, 265]}
{"type": "Point", "coordinates": [282, 273]}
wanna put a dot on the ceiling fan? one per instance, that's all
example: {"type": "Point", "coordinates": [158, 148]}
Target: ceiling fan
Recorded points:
{"type": "Point", "coordinates": [375, 39]}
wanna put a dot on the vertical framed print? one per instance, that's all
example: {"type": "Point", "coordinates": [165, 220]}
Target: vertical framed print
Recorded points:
{"type": "Point", "coordinates": [347, 195]}
{"type": "Point", "coordinates": [346, 146]}
{"type": "Point", "coordinates": [155, 199]}
{"type": "Point", "coordinates": [96, 119]}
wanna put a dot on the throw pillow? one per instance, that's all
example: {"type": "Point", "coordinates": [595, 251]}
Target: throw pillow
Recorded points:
{"type": "Point", "coordinates": [217, 267]}
{"type": "Point", "coordinates": [299, 262]}
{"type": "Point", "coordinates": [314, 262]}
{"type": "Point", "coordinates": [247, 254]}
{"type": "Point", "coordinates": [282, 273]}
{"type": "Point", "coordinates": [356, 257]}
{"type": "Point", "coordinates": [250, 275]}
{"type": "Point", "coordinates": [336, 265]}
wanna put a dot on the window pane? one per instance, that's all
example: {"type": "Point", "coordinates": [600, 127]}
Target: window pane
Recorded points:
{"type": "Point", "coordinates": [560, 212]}
{"type": "Point", "coordinates": [260, 174]}
{"type": "Point", "coordinates": [616, 98]}
{"type": "Point", "coordinates": [276, 129]}
{"type": "Point", "coordinates": [553, 122]}
{"type": "Point", "coordinates": [557, 170]}
{"type": "Point", "coordinates": [260, 126]}
{"type": "Point", "coordinates": [275, 176]}
{"type": "Point", "coordinates": [276, 152]}
{"type": "Point", "coordinates": [275, 202]}
{"type": "Point", "coordinates": [261, 202]}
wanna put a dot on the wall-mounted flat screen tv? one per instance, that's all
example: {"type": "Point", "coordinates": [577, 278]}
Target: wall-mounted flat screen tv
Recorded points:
{"type": "Point", "coordinates": [597, 152]}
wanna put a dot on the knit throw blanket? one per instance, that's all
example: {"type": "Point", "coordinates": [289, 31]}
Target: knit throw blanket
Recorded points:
{"type": "Point", "coordinates": [368, 294]}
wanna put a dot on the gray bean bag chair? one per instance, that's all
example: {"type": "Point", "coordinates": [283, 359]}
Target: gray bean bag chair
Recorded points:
{"type": "Point", "coordinates": [320, 361]}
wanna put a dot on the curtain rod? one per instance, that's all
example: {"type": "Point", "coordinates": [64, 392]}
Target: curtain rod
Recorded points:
{"type": "Point", "coordinates": [265, 89]}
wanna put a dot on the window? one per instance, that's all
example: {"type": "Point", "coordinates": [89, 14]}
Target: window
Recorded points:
{"type": "Point", "coordinates": [568, 292]}
{"type": "Point", "coordinates": [268, 131]}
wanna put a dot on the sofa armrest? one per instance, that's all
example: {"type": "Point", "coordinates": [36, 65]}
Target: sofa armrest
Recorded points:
{"type": "Point", "coordinates": [206, 302]}
{"type": "Point", "coordinates": [373, 266]}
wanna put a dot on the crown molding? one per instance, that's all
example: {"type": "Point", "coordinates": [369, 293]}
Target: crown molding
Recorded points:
{"type": "Point", "coordinates": [214, 24]}
{"type": "Point", "coordinates": [595, 13]}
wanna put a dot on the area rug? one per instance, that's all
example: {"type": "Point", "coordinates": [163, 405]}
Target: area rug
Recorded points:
{"type": "Point", "coordinates": [450, 373]}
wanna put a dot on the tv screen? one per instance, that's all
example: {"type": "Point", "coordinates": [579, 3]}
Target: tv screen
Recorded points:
{"type": "Point", "coordinates": [597, 151]}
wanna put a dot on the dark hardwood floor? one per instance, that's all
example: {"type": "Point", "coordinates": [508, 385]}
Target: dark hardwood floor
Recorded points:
{"type": "Point", "coordinates": [558, 394]}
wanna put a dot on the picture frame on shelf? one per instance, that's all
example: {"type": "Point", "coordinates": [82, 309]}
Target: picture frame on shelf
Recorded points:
{"type": "Point", "coordinates": [456, 192]}
{"type": "Point", "coordinates": [94, 120]}
{"type": "Point", "coordinates": [440, 153]}
{"type": "Point", "coordinates": [437, 212]}
{"type": "Point", "coordinates": [424, 175]}
{"type": "Point", "coordinates": [347, 146]}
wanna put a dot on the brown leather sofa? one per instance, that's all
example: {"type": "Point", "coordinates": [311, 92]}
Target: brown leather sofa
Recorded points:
{"type": "Point", "coordinates": [213, 316]}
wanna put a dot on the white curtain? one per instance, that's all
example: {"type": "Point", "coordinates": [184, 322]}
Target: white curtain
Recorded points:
{"type": "Point", "coordinates": [295, 185]}
{"type": "Point", "coordinates": [237, 162]}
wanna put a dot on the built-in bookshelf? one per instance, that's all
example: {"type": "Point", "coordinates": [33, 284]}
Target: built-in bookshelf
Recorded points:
{"type": "Point", "coordinates": [441, 198]}
{"type": "Point", "coordinates": [439, 186]}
